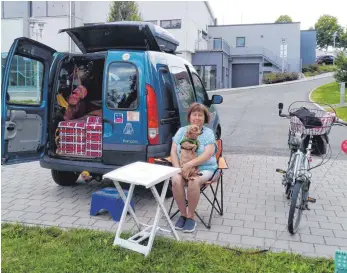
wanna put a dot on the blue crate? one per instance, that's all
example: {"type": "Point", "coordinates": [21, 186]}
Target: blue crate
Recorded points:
{"type": "Point", "coordinates": [108, 199]}
{"type": "Point", "coordinates": [340, 261]}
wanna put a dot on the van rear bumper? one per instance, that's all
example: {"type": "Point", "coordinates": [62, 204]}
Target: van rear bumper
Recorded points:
{"type": "Point", "coordinates": [75, 166]}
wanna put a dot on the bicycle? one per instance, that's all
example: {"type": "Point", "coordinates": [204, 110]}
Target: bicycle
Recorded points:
{"type": "Point", "coordinates": [307, 126]}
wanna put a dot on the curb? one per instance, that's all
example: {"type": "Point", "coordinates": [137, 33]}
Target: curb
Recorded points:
{"type": "Point", "coordinates": [322, 76]}
{"type": "Point", "coordinates": [316, 104]}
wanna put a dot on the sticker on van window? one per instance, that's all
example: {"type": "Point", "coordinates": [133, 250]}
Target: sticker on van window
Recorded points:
{"type": "Point", "coordinates": [118, 118]}
{"type": "Point", "coordinates": [128, 129]}
{"type": "Point", "coordinates": [133, 116]}
{"type": "Point", "coordinates": [126, 56]}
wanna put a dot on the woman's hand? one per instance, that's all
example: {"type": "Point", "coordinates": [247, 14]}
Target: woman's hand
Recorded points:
{"type": "Point", "coordinates": [186, 166]}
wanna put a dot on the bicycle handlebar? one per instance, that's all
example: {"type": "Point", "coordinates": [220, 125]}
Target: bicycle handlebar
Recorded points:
{"type": "Point", "coordinates": [339, 121]}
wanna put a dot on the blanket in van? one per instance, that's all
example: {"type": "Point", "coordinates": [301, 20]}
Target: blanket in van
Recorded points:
{"type": "Point", "coordinates": [81, 137]}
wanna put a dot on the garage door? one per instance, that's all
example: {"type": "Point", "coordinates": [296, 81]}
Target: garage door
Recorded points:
{"type": "Point", "coordinates": [245, 75]}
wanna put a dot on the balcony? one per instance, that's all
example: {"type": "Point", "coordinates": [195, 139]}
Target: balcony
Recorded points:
{"type": "Point", "coordinates": [216, 44]}
{"type": "Point", "coordinates": [259, 51]}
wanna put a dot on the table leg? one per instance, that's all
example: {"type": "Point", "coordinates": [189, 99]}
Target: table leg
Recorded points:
{"type": "Point", "coordinates": [160, 201]}
{"type": "Point", "coordinates": [127, 207]}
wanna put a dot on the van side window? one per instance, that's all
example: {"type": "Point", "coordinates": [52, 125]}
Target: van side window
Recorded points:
{"type": "Point", "coordinates": [122, 86]}
{"type": "Point", "coordinates": [168, 90]}
{"type": "Point", "coordinates": [184, 88]}
{"type": "Point", "coordinates": [201, 95]}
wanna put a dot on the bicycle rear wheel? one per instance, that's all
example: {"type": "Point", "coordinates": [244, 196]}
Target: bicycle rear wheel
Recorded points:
{"type": "Point", "coordinates": [297, 206]}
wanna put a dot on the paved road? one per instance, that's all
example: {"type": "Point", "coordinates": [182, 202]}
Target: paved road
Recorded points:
{"type": "Point", "coordinates": [250, 122]}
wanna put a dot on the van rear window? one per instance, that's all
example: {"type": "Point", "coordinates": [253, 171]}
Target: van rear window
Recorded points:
{"type": "Point", "coordinates": [122, 86]}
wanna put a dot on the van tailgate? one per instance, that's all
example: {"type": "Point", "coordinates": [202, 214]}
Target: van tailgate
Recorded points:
{"type": "Point", "coordinates": [124, 108]}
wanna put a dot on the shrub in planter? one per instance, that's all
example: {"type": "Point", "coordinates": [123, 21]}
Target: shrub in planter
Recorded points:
{"type": "Point", "coordinates": [279, 77]}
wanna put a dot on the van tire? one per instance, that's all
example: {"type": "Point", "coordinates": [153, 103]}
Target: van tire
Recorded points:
{"type": "Point", "coordinates": [218, 132]}
{"type": "Point", "coordinates": [64, 178]}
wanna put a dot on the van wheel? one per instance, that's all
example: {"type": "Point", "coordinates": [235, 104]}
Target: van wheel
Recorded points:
{"type": "Point", "coordinates": [218, 133]}
{"type": "Point", "coordinates": [159, 188]}
{"type": "Point", "coordinates": [64, 178]}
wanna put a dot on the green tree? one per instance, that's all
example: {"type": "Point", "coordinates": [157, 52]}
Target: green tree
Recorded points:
{"type": "Point", "coordinates": [123, 11]}
{"type": "Point", "coordinates": [284, 19]}
{"type": "Point", "coordinates": [342, 40]}
{"type": "Point", "coordinates": [326, 26]}
{"type": "Point", "coordinates": [341, 63]}
{"type": "Point", "coordinates": [311, 28]}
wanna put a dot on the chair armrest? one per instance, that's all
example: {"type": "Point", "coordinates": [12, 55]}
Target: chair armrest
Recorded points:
{"type": "Point", "coordinates": [163, 161]}
{"type": "Point", "coordinates": [222, 164]}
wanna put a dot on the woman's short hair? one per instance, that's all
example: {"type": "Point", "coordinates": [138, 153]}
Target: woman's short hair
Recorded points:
{"type": "Point", "coordinates": [198, 107]}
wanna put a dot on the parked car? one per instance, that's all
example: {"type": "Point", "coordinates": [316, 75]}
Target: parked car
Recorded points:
{"type": "Point", "coordinates": [142, 88]}
{"type": "Point", "coordinates": [325, 59]}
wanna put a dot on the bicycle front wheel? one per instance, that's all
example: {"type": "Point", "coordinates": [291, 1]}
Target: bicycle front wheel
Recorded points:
{"type": "Point", "coordinates": [297, 206]}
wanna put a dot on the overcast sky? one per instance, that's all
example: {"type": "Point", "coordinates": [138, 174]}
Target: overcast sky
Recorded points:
{"type": "Point", "coordinates": [267, 11]}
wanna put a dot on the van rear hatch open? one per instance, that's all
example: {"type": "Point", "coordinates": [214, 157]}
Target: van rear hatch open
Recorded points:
{"type": "Point", "coordinates": [122, 35]}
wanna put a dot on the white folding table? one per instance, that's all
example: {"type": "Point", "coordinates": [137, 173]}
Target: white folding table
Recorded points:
{"type": "Point", "coordinates": [148, 175]}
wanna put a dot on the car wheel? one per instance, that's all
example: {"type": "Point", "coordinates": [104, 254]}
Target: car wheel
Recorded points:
{"type": "Point", "coordinates": [64, 178]}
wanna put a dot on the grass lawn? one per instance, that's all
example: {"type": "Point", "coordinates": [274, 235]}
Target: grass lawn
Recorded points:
{"type": "Point", "coordinates": [36, 249]}
{"type": "Point", "coordinates": [328, 93]}
{"type": "Point", "coordinates": [342, 112]}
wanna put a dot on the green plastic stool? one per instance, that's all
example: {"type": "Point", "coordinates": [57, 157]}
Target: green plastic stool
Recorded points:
{"type": "Point", "coordinates": [340, 261]}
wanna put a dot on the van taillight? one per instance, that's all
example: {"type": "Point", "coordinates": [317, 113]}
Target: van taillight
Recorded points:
{"type": "Point", "coordinates": [152, 116]}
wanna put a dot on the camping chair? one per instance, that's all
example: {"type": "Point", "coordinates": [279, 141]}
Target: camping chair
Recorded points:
{"type": "Point", "coordinates": [215, 203]}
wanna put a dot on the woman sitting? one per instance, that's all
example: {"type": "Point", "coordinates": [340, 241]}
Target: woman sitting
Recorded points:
{"type": "Point", "coordinates": [205, 161]}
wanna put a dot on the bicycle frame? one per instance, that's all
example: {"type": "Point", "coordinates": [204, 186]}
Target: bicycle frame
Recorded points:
{"type": "Point", "coordinates": [302, 161]}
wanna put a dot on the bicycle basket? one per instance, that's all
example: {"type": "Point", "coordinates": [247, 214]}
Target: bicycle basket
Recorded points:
{"type": "Point", "coordinates": [311, 121]}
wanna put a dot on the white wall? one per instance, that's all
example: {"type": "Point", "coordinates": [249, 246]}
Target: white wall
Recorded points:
{"type": "Point", "coordinates": [194, 16]}
{"type": "Point", "coordinates": [94, 11]}
{"type": "Point", "coordinates": [10, 30]}
{"type": "Point", "coordinates": [50, 36]}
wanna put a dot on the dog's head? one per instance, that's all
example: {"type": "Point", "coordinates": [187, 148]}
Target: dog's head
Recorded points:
{"type": "Point", "coordinates": [193, 132]}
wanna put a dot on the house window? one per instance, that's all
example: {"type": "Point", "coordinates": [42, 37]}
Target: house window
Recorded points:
{"type": "Point", "coordinates": [240, 42]}
{"type": "Point", "coordinates": [217, 44]}
{"type": "Point", "coordinates": [171, 24]}
{"type": "Point", "coordinates": [155, 22]}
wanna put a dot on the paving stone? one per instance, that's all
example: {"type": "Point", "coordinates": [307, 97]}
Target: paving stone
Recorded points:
{"type": "Point", "coordinates": [242, 231]}
{"type": "Point", "coordinates": [230, 238]}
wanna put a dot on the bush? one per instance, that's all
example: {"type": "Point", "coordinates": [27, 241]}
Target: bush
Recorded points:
{"type": "Point", "coordinates": [316, 69]}
{"type": "Point", "coordinates": [279, 77]}
{"type": "Point", "coordinates": [313, 68]}
{"type": "Point", "coordinates": [341, 63]}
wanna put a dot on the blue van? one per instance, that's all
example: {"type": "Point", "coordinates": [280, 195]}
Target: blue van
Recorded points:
{"type": "Point", "coordinates": [140, 86]}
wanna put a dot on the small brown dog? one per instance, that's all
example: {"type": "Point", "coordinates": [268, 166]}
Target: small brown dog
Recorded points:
{"type": "Point", "coordinates": [189, 146]}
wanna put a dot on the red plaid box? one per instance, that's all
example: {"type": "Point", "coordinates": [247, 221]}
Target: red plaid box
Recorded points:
{"type": "Point", "coordinates": [94, 137]}
{"type": "Point", "coordinates": [72, 137]}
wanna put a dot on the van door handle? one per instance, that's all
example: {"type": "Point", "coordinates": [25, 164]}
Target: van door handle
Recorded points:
{"type": "Point", "coordinates": [11, 127]}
